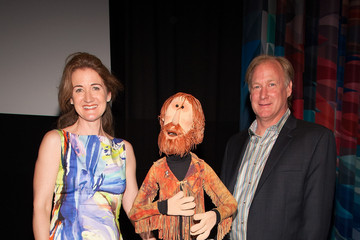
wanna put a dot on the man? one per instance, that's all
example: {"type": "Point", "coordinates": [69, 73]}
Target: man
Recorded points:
{"type": "Point", "coordinates": [181, 178]}
{"type": "Point", "coordinates": [281, 170]}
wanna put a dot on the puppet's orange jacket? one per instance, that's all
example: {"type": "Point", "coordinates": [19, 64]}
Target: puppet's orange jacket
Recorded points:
{"type": "Point", "coordinates": [199, 177]}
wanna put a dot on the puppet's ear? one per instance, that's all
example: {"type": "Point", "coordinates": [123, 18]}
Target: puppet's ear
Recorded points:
{"type": "Point", "coordinates": [161, 120]}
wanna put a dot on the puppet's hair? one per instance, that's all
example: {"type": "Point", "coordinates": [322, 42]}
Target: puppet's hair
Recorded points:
{"type": "Point", "coordinates": [198, 114]}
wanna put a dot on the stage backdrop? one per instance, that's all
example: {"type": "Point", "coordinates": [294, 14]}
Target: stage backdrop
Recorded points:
{"type": "Point", "coordinates": [181, 46]}
{"type": "Point", "coordinates": [322, 40]}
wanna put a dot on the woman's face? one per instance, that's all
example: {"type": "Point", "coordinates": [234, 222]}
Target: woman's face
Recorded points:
{"type": "Point", "coordinates": [89, 95]}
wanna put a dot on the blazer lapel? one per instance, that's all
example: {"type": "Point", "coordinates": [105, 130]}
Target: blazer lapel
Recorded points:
{"type": "Point", "coordinates": [280, 145]}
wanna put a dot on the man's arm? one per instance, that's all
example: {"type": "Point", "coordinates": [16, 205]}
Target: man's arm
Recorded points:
{"type": "Point", "coordinates": [319, 189]}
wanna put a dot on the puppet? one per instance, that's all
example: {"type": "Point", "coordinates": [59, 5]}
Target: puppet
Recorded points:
{"type": "Point", "coordinates": [180, 178]}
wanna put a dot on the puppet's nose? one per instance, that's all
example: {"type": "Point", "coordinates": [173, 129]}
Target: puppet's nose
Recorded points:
{"type": "Point", "coordinates": [176, 117]}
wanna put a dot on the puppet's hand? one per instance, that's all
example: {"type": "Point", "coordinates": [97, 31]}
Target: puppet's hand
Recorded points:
{"type": "Point", "coordinates": [203, 228]}
{"type": "Point", "coordinates": [179, 205]}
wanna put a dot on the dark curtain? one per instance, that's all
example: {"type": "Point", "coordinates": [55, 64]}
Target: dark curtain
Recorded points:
{"type": "Point", "coordinates": [159, 48]}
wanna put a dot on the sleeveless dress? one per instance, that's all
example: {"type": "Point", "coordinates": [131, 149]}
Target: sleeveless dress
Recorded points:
{"type": "Point", "coordinates": [89, 188]}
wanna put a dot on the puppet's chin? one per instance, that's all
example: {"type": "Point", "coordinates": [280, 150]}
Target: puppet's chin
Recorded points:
{"type": "Point", "coordinates": [173, 143]}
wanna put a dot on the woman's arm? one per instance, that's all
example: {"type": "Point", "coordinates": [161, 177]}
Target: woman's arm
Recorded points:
{"type": "Point", "coordinates": [46, 169]}
{"type": "Point", "coordinates": [131, 185]}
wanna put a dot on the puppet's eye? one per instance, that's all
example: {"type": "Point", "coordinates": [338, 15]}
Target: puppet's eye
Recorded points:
{"type": "Point", "coordinates": [182, 107]}
{"type": "Point", "coordinates": [177, 105]}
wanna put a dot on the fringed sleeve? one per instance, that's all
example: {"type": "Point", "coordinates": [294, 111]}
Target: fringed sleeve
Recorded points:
{"type": "Point", "coordinates": [144, 211]}
{"type": "Point", "coordinates": [224, 201]}
{"type": "Point", "coordinates": [148, 224]}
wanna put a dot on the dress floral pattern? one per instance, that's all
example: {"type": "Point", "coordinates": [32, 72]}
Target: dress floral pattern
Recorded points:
{"type": "Point", "coordinates": [89, 188]}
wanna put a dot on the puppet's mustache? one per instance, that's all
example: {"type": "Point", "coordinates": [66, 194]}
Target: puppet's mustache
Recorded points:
{"type": "Point", "coordinates": [173, 130]}
{"type": "Point", "coordinates": [173, 140]}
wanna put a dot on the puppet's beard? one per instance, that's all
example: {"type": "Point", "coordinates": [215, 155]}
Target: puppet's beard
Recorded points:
{"type": "Point", "coordinates": [172, 140]}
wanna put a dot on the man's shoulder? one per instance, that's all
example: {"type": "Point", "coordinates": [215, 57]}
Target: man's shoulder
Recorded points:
{"type": "Point", "coordinates": [299, 127]}
{"type": "Point", "coordinates": [303, 125]}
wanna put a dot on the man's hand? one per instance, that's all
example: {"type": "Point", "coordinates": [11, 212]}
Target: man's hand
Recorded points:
{"type": "Point", "coordinates": [178, 205]}
{"type": "Point", "coordinates": [203, 228]}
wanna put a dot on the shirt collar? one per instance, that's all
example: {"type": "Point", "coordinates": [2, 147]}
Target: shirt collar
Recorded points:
{"type": "Point", "coordinates": [276, 127]}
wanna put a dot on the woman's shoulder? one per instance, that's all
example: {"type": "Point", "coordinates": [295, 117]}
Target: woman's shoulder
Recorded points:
{"type": "Point", "coordinates": [127, 144]}
{"type": "Point", "coordinates": [53, 135]}
{"type": "Point", "coordinates": [51, 142]}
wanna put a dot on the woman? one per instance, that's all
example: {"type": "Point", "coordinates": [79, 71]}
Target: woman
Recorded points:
{"type": "Point", "coordinates": [88, 171]}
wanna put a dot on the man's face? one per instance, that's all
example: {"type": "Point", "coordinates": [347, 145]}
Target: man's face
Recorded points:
{"type": "Point", "coordinates": [268, 93]}
{"type": "Point", "coordinates": [176, 136]}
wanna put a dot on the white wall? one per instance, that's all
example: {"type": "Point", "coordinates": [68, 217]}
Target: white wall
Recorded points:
{"type": "Point", "coordinates": [36, 36]}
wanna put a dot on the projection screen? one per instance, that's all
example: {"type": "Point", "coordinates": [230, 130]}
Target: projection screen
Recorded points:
{"type": "Point", "coordinates": [35, 39]}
